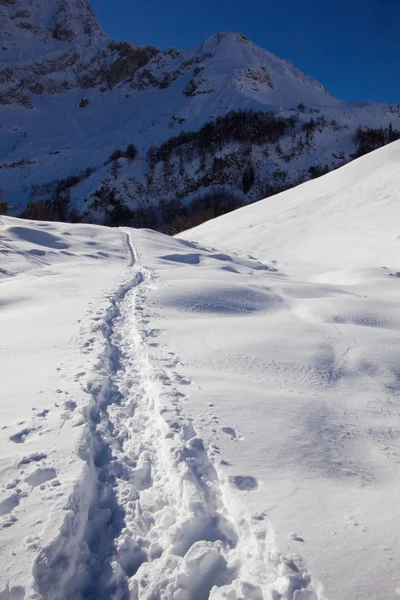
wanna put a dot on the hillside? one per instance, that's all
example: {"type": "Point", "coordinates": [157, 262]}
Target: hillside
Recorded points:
{"type": "Point", "coordinates": [207, 417]}
{"type": "Point", "coordinates": [103, 131]}
{"type": "Point", "coordinates": [346, 217]}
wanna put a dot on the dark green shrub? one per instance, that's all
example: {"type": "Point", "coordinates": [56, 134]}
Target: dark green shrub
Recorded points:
{"type": "Point", "coordinates": [115, 155]}
{"type": "Point", "coordinates": [131, 152]}
{"type": "Point", "coordinates": [369, 139]}
{"type": "Point", "coordinates": [318, 170]}
{"type": "Point", "coordinates": [248, 179]}
{"type": "Point", "coordinates": [243, 126]}
{"type": "Point", "coordinates": [39, 210]}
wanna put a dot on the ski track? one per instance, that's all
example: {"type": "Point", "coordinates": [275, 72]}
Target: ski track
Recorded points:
{"type": "Point", "coordinates": [150, 518]}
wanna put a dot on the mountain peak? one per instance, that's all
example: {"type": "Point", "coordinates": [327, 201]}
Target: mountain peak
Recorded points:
{"type": "Point", "coordinates": [232, 57]}
{"type": "Point", "coordinates": [232, 36]}
{"type": "Point", "coordinates": [224, 39]}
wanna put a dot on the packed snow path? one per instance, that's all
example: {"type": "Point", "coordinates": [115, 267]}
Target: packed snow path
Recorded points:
{"type": "Point", "coordinates": [158, 526]}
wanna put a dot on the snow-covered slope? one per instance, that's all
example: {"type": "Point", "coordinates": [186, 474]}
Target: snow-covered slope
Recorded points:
{"type": "Point", "coordinates": [312, 383]}
{"type": "Point", "coordinates": [183, 420]}
{"type": "Point", "coordinates": [347, 216]}
{"type": "Point", "coordinates": [70, 96]}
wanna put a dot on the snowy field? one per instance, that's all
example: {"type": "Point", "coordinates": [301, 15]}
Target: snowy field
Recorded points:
{"type": "Point", "coordinates": [209, 417]}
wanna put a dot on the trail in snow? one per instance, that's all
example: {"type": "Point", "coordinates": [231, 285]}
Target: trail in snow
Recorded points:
{"type": "Point", "coordinates": [164, 440]}
{"type": "Point", "coordinates": [158, 524]}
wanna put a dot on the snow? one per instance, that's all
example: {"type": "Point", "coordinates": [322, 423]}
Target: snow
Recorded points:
{"type": "Point", "coordinates": [340, 220]}
{"type": "Point", "coordinates": [209, 416]}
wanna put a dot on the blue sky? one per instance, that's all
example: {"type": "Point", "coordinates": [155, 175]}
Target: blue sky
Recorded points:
{"type": "Point", "coordinates": [352, 47]}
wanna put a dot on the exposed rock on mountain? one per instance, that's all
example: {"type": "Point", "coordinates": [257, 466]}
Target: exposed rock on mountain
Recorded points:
{"type": "Point", "coordinates": [58, 46]}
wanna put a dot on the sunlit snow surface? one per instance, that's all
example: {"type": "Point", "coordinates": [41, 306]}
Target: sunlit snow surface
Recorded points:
{"type": "Point", "coordinates": [215, 416]}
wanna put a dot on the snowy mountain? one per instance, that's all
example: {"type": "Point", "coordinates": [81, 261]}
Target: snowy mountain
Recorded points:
{"type": "Point", "coordinates": [183, 420]}
{"type": "Point", "coordinates": [100, 130]}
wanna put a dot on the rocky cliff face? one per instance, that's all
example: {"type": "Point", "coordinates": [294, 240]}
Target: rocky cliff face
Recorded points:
{"type": "Point", "coordinates": [102, 130]}
{"type": "Point", "coordinates": [55, 46]}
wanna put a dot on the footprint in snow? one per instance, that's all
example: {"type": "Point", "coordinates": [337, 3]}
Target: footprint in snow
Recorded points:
{"type": "Point", "coordinates": [36, 457]}
{"type": "Point", "coordinates": [295, 537]}
{"type": "Point", "coordinates": [259, 516]}
{"type": "Point", "coordinates": [70, 405]}
{"type": "Point", "coordinates": [8, 521]}
{"type": "Point", "coordinates": [20, 436]}
{"type": "Point", "coordinates": [244, 483]}
{"type": "Point", "coordinates": [8, 504]}
{"type": "Point", "coordinates": [153, 332]}
{"type": "Point", "coordinates": [182, 380]}
{"type": "Point", "coordinates": [42, 413]}
{"type": "Point", "coordinates": [40, 476]}
{"type": "Point", "coordinates": [10, 485]}
{"type": "Point", "coordinates": [231, 433]}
